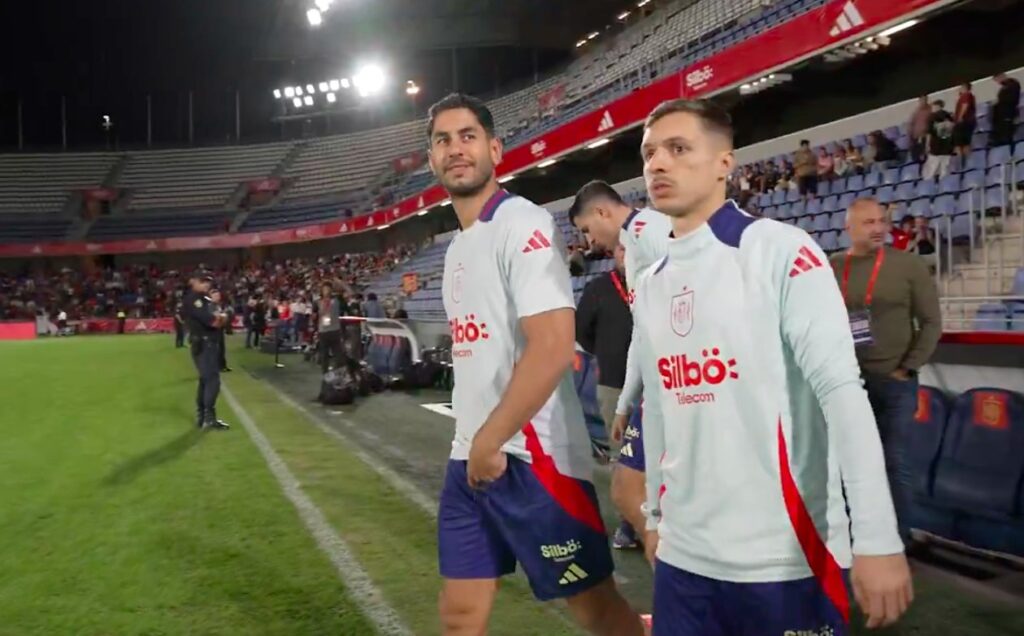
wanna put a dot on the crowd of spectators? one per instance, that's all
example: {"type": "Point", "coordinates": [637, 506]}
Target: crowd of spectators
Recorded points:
{"type": "Point", "coordinates": [148, 291]}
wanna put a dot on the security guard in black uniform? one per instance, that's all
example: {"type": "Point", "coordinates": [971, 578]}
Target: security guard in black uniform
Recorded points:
{"type": "Point", "coordinates": [179, 325]}
{"type": "Point", "coordinates": [204, 324]}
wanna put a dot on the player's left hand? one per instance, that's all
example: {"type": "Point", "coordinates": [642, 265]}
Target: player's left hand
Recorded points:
{"type": "Point", "coordinates": [882, 587]}
{"type": "Point", "coordinates": [487, 462]}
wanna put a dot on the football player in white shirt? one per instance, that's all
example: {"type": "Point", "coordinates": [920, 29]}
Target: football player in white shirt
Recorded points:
{"type": "Point", "coordinates": [755, 420]}
{"type": "Point", "coordinates": [517, 487]}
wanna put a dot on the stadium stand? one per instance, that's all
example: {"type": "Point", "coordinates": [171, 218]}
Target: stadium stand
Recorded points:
{"type": "Point", "coordinates": [196, 177]}
{"type": "Point", "coordinates": [43, 183]}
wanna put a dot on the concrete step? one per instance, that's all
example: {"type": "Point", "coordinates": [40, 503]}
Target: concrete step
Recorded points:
{"type": "Point", "coordinates": [957, 287]}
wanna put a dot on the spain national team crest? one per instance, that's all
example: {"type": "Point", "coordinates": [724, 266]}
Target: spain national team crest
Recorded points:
{"type": "Point", "coordinates": [682, 313]}
{"type": "Point", "coordinates": [457, 284]}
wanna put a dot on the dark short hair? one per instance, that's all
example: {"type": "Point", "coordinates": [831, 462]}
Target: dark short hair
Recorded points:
{"type": "Point", "coordinates": [939, 103]}
{"type": "Point", "coordinates": [588, 194]}
{"type": "Point", "coordinates": [805, 142]}
{"type": "Point", "coordinates": [456, 101]}
{"type": "Point", "coordinates": [715, 118]}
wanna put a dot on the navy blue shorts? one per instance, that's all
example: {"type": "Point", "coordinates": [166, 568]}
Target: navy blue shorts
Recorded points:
{"type": "Point", "coordinates": [687, 604]}
{"type": "Point", "coordinates": [550, 523]}
{"type": "Point", "coordinates": [631, 455]}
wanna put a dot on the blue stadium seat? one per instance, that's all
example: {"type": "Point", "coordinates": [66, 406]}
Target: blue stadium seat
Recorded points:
{"type": "Point", "coordinates": [962, 229]}
{"type": "Point", "coordinates": [828, 241]}
{"type": "Point", "coordinates": [813, 207]}
{"type": "Point", "coordinates": [884, 194]}
{"type": "Point", "coordinates": [905, 191]}
{"type": "Point", "coordinates": [944, 205]}
{"type": "Point", "coordinates": [846, 199]}
{"type": "Point", "coordinates": [892, 132]}
{"type": "Point", "coordinates": [992, 317]}
{"type": "Point", "coordinates": [831, 204]}
{"type": "Point", "coordinates": [1018, 152]}
{"type": "Point", "coordinates": [980, 468]}
{"type": "Point", "coordinates": [821, 223]}
{"type": "Point", "coordinates": [838, 186]}
{"type": "Point", "coordinates": [891, 176]}
{"type": "Point", "coordinates": [999, 155]}
{"type": "Point", "coordinates": [838, 221]}
{"type": "Point", "coordinates": [921, 207]}
{"type": "Point", "coordinates": [1016, 316]}
{"type": "Point", "coordinates": [805, 223]}
{"type": "Point", "coordinates": [779, 196]}
{"type": "Point", "coordinates": [1018, 283]}
{"type": "Point", "coordinates": [979, 141]}
{"type": "Point", "coordinates": [924, 443]}
{"type": "Point", "coordinates": [997, 176]}
{"type": "Point", "coordinates": [855, 183]}
{"type": "Point", "coordinates": [873, 180]}
{"type": "Point", "coordinates": [823, 188]}
{"type": "Point", "coordinates": [798, 209]}
{"type": "Point", "coordinates": [976, 160]}
{"type": "Point", "coordinates": [910, 172]}
{"type": "Point", "coordinates": [783, 211]}
{"type": "Point", "coordinates": [792, 196]}
{"type": "Point", "coordinates": [949, 184]}
{"type": "Point", "coordinates": [843, 241]}
{"type": "Point", "coordinates": [899, 211]}
{"type": "Point", "coordinates": [995, 198]}
{"type": "Point", "coordinates": [969, 201]}
{"type": "Point", "coordinates": [769, 212]}
{"type": "Point", "coordinates": [925, 188]}
{"type": "Point", "coordinates": [764, 200]}
{"type": "Point", "coordinates": [973, 179]}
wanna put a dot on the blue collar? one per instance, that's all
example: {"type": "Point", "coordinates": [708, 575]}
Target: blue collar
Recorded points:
{"type": "Point", "coordinates": [629, 219]}
{"type": "Point", "coordinates": [492, 204]}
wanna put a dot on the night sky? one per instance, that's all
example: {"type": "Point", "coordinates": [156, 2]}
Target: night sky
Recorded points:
{"type": "Point", "coordinates": [106, 56]}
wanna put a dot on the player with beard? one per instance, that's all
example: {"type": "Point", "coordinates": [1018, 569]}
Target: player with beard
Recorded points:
{"type": "Point", "coordinates": [517, 487]}
{"type": "Point", "coordinates": [757, 422]}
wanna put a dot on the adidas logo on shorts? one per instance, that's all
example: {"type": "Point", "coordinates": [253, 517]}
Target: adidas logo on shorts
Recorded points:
{"type": "Point", "coordinates": [573, 574]}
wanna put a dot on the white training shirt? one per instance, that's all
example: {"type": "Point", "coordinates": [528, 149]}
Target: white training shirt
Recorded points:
{"type": "Point", "coordinates": [508, 265]}
{"type": "Point", "coordinates": [645, 236]}
{"type": "Point", "coordinates": [754, 406]}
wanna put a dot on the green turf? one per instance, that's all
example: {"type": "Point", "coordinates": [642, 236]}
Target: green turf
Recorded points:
{"type": "Point", "coordinates": [393, 540]}
{"type": "Point", "coordinates": [117, 517]}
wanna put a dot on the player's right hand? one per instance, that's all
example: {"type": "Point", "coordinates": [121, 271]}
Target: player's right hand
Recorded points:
{"type": "Point", "coordinates": [882, 587]}
{"type": "Point", "coordinates": [619, 427]}
{"type": "Point", "coordinates": [651, 546]}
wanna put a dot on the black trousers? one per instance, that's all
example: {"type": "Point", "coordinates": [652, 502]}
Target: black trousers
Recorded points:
{"type": "Point", "coordinates": [223, 351]}
{"type": "Point", "coordinates": [206, 353]}
{"type": "Point", "coordinates": [179, 333]}
{"type": "Point", "coordinates": [332, 347]}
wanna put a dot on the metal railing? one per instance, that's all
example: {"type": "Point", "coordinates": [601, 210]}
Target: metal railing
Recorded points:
{"type": "Point", "coordinates": [961, 313]}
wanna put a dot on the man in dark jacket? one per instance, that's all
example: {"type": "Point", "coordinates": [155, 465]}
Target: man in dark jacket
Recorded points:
{"type": "Point", "coordinates": [603, 327]}
{"type": "Point", "coordinates": [1004, 111]}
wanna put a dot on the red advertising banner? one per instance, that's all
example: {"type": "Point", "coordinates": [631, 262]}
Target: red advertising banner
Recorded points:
{"type": "Point", "coordinates": [409, 162]}
{"type": "Point", "coordinates": [550, 99]}
{"type": "Point", "coordinates": [17, 330]}
{"type": "Point", "coordinates": [131, 325]}
{"type": "Point", "coordinates": [267, 184]}
{"type": "Point", "coordinates": [809, 33]}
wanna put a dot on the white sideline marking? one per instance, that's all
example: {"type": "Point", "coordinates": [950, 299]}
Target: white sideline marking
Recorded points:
{"type": "Point", "coordinates": [440, 409]}
{"type": "Point", "coordinates": [356, 580]}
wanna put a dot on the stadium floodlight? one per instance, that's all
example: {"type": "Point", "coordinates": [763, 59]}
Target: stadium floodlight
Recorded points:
{"type": "Point", "coordinates": [277, 93]}
{"type": "Point", "coordinates": [297, 102]}
{"type": "Point", "coordinates": [289, 91]}
{"type": "Point", "coordinates": [308, 100]}
{"type": "Point", "coordinates": [334, 85]}
{"type": "Point", "coordinates": [592, 35]}
{"type": "Point", "coordinates": [580, 43]}
{"type": "Point", "coordinates": [642, 3]}
{"type": "Point", "coordinates": [507, 178]}
{"type": "Point", "coordinates": [345, 83]}
{"type": "Point", "coordinates": [547, 164]}
{"type": "Point", "coordinates": [411, 88]}
{"type": "Point", "coordinates": [323, 87]}
{"type": "Point", "coordinates": [323, 5]}
{"type": "Point", "coordinates": [310, 89]}
{"type": "Point", "coordinates": [315, 17]}
{"type": "Point", "coordinates": [622, 16]}
{"type": "Point", "coordinates": [899, 27]}
{"type": "Point", "coordinates": [422, 213]}
{"type": "Point", "coordinates": [298, 91]}
{"type": "Point", "coordinates": [599, 143]}
{"type": "Point", "coordinates": [368, 80]}
{"type": "Point", "coordinates": [331, 98]}
{"type": "Point", "coordinates": [383, 227]}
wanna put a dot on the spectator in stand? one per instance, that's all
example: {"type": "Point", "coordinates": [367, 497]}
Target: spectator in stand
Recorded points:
{"type": "Point", "coordinates": [896, 322]}
{"type": "Point", "coordinates": [745, 183]}
{"type": "Point", "coordinates": [940, 143]}
{"type": "Point", "coordinates": [923, 241]}
{"type": "Point", "coordinates": [787, 177]}
{"type": "Point", "coordinates": [918, 127]}
{"type": "Point", "coordinates": [770, 176]}
{"type": "Point", "coordinates": [840, 166]}
{"type": "Point", "coordinates": [1004, 111]}
{"type": "Point", "coordinates": [372, 308]}
{"type": "Point", "coordinates": [806, 169]}
{"type": "Point", "coordinates": [885, 150]}
{"type": "Point", "coordinates": [903, 233]}
{"type": "Point", "coordinates": [825, 165]}
{"type": "Point", "coordinates": [965, 119]}
{"type": "Point", "coordinates": [853, 157]}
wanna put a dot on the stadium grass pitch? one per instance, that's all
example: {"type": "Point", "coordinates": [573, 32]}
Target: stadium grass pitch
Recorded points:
{"type": "Point", "coordinates": [118, 517]}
